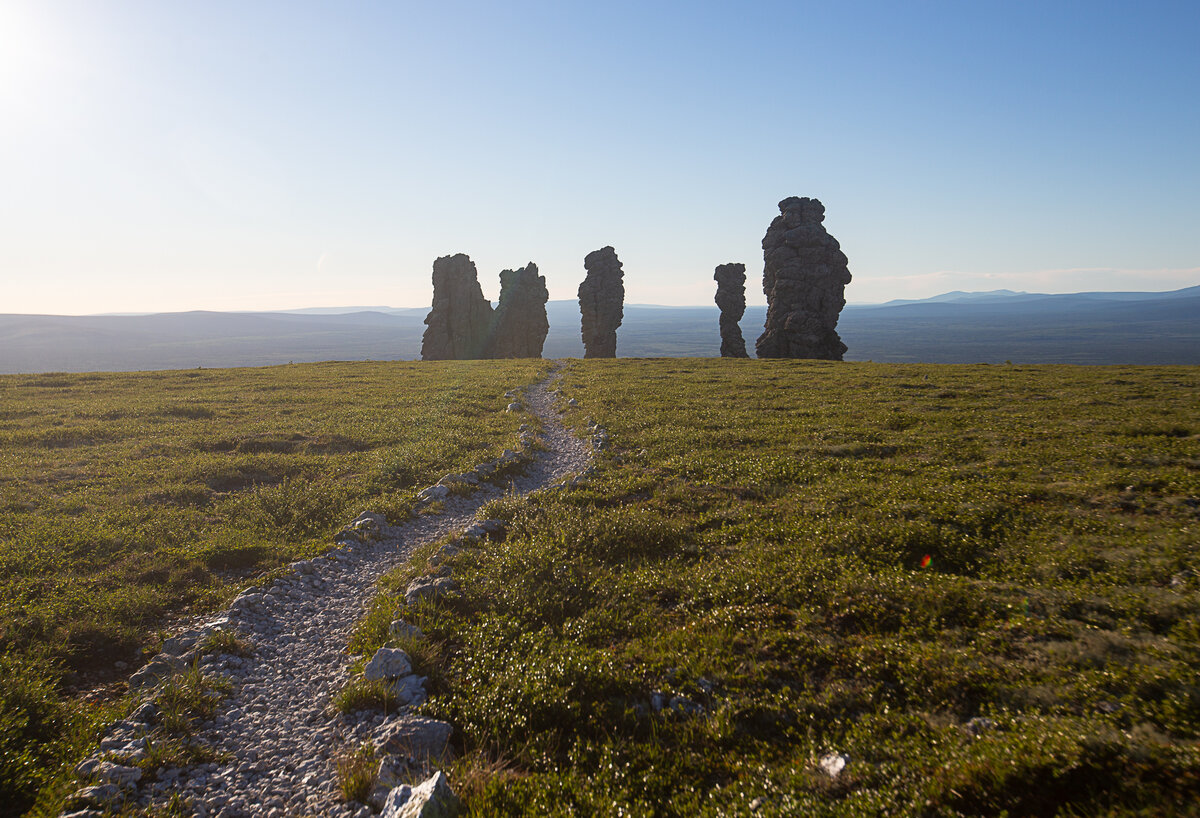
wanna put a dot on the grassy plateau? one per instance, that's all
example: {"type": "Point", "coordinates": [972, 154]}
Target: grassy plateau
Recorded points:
{"type": "Point", "coordinates": [131, 499]}
{"type": "Point", "coordinates": [975, 587]}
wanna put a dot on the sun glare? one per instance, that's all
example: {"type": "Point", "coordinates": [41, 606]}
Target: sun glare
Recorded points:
{"type": "Point", "coordinates": [27, 53]}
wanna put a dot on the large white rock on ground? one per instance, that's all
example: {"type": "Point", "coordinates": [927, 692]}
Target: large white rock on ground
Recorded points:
{"type": "Point", "coordinates": [387, 663]}
{"type": "Point", "coordinates": [833, 764]}
{"type": "Point", "coordinates": [432, 798]}
{"type": "Point", "coordinates": [118, 774]}
{"type": "Point", "coordinates": [416, 737]}
{"type": "Point", "coordinates": [437, 492]}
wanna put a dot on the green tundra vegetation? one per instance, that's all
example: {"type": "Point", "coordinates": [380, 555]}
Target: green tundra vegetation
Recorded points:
{"type": "Point", "coordinates": [130, 499]}
{"type": "Point", "coordinates": [977, 586]}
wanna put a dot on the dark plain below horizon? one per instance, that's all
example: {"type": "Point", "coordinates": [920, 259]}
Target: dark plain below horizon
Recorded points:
{"type": "Point", "coordinates": [1087, 328]}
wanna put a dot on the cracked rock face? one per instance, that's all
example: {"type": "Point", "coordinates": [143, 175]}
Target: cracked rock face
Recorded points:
{"type": "Point", "coordinates": [601, 303]}
{"type": "Point", "coordinates": [460, 320]}
{"type": "Point", "coordinates": [731, 298]}
{"type": "Point", "coordinates": [520, 325]}
{"type": "Point", "coordinates": [804, 279]}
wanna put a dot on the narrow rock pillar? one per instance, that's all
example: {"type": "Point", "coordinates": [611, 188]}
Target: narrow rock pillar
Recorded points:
{"type": "Point", "coordinates": [731, 298]}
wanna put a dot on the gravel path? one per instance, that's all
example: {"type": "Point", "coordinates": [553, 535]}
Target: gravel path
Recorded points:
{"type": "Point", "coordinates": [274, 727]}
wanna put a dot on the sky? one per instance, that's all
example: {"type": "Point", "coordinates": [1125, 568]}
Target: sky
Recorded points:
{"type": "Point", "coordinates": [163, 155]}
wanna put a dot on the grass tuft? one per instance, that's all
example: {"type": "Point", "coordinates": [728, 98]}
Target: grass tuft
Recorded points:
{"type": "Point", "coordinates": [188, 698]}
{"type": "Point", "coordinates": [227, 642]}
{"type": "Point", "coordinates": [356, 772]}
{"type": "Point", "coordinates": [360, 694]}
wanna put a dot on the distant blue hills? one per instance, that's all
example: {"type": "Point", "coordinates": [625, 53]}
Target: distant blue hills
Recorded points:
{"type": "Point", "coordinates": [1011, 297]}
{"type": "Point", "coordinates": [957, 327]}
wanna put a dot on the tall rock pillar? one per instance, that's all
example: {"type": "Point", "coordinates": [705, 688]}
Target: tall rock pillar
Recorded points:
{"type": "Point", "coordinates": [731, 298]}
{"type": "Point", "coordinates": [805, 277]}
{"type": "Point", "coordinates": [601, 303]}
{"type": "Point", "coordinates": [460, 320]}
{"type": "Point", "coordinates": [520, 325]}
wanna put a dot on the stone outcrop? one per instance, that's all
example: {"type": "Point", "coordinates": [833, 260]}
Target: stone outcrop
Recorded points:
{"type": "Point", "coordinates": [731, 298]}
{"type": "Point", "coordinates": [601, 303]}
{"type": "Point", "coordinates": [416, 737]}
{"type": "Point", "coordinates": [432, 798]}
{"type": "Point", "coordinates": [804, 278]}
{"type": "Point", "coordinates": [462, 325]}
{"type": "Point", "coordinates": [520, 325]}
{"type": "Point", "coordinates": [460, 321]}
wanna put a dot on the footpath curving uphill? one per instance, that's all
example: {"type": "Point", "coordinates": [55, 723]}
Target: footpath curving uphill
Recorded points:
{"type": "Point", "coordinates": [273, 735]}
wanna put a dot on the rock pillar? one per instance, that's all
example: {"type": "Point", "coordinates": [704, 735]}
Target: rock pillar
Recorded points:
{"type": "Point", "coordinates": [601, 303]}
{"type": "Point", "coordinates": [731, 298]}
{"type": "Point", "coordinates": [804, 278]}
{"type": "Point", "coordinates": [520, 325]}
{"type": "Point", "coordinates": [460, 320]}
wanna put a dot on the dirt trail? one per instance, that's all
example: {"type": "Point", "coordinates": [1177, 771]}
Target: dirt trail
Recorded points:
{"type": "Point", "coordinates": [275, 728]}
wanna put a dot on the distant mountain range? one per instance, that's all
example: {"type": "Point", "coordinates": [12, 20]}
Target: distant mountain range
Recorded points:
{"type": "Point", "coordinates": [1011, 297]}
{"type": "Point", "coordinates": [958, 327]}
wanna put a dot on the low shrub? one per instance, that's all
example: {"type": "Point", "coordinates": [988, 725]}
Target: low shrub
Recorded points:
{"type": "Point", "coordinates": [38, 730]}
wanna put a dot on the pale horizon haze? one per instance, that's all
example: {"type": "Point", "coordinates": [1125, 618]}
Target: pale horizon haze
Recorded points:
{"type": "Point", "coordinates": [157, 155]}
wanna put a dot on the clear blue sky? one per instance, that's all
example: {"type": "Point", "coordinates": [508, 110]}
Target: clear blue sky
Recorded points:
{"type": "Point", "coordinates": [171, 155]}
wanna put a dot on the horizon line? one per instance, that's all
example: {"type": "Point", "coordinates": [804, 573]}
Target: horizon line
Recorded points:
{"type": "Point", "coordinates": [351, 309]}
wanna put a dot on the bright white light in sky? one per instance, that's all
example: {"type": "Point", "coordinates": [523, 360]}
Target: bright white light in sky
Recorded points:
{"type": "Point", "coordinates": [174, 156]}
{"type": "Point", "coordinates": [25, 56]}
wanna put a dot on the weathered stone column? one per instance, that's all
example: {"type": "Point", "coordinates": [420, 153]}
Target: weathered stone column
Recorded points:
{"type": "Point", "coordinates": [601, 303]}
{"type": "Point", "coordinates": [731, 298]}
{"type": "Point", "coordinates": [520, 325]}
{"type": "Point", "coordinates": [458, 324]}
{"type": "Point", "coordinates": [804, 277]}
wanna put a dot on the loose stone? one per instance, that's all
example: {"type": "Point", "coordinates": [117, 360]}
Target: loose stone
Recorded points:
{"type": "Point", "coordinates": [387, 663]}
{"type": "Point", "coordinates": [432, 798]}
{"type": "Point", "coordinates": [415, 737]}
{"type": "Point", "coordinates": [399, 629]}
